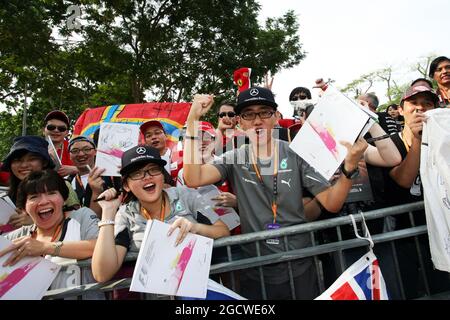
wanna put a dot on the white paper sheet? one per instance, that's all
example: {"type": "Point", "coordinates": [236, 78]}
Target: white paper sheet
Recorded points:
{"type": "Point", "coordinates": [335, 118]}
{"type": "Point", "coordinates": [114, 139]}
{"type": "Point", "coordinates": [28, 279]}
{"type": "Point", "coordinates": [227, 214]}
{"type": "Point", "coordinates": [7, 209]}
{"type": "Point", "coordinates": [163, 268]}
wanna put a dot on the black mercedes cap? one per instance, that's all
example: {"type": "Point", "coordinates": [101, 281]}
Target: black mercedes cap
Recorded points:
{"type": "Point", "coordinates": [139, 155]}
{"type": "Point", "coordinates": [255, 96]}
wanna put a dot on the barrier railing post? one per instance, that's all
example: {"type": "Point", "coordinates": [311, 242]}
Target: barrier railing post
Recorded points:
{"type": "Point", "coordinates": [261, 273]}
{"type": "Point", "coordinates": [291, 275]}
{"type": "Point", "coordinates": [318, 264]}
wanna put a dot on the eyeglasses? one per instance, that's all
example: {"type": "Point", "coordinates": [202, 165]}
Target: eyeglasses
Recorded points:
{"type": "Point", "coordinates": [300, 97]}
{"type": "Point", "coordinates": [152, 172]}
{"type": "Point", "coordinates": [52, 127]}
{"type": "Point", "coordinates": [84, 150]}
{"type": "Point", "coordinates": [252, 115]}
{"type": "Point", "coordinates": [229, 114]}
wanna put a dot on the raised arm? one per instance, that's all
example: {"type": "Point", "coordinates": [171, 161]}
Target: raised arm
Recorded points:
{"type": "Point", "coordinates": [108, 257]}
{"type": "Point", "coordinates": [334, 197]}
{"type": "Point", "coordinates": [385, 154]}
{"type": "Point", "coordinates": [406, 172]}
{"type": "Point", "coordinates": [195, 173]}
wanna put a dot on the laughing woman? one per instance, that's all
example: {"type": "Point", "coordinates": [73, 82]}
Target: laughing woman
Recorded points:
{"type": "Point", "coordinates": [29, 154]}
{"type": "Point", "coordinates": [143, 180]}
{"type": "Point", "coordinates": [53, 236]}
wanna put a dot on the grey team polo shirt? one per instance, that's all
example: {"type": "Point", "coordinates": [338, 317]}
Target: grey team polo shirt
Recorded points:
{"type": "Point", "coordinates": [184, 202]}
{"type": "Point", "coordinates": [255, 200]}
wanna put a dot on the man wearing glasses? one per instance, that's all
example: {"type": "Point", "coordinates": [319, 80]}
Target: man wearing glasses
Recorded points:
{"type": "Point", "coordinates": [268, 178]}
{"type": "Point", "coordinates": [56, 128]}
{"type": "Point", "coordinates": [88, 183]}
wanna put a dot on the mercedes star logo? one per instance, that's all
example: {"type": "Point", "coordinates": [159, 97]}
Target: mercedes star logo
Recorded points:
{"type": "Point", "coordinates": [140, 150]}
{"type": "Point", "coordinates": [254, 92]}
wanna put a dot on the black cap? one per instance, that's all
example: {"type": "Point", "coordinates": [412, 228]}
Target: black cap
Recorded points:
{"type": "Point", "coordinates": [24, 144]}
{"type": "Point", "coordinates": [140, 155]}
{"type": "Point", "coordinates": [59, 115]}
{"type": "Point", "coordinates": [79, 139]}
{"type": "Point", "coordinates": [255, 96]}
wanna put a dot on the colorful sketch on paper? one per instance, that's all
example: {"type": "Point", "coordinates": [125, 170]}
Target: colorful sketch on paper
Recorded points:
{"type": "Point", "coordinates": [117, 138]}
{"type": "Point", "coordinates": [114, 140]}
{"type": "Point", "coordinates": [327, 137]}
{"type": "Point", "coordinates": [222, 211]}
{"type": "Point", "coordinates": [9, 280]}
{"type": "Point", "coordinates": [164, 268]}
{"type": "Point", "coordinates": [179, 265]}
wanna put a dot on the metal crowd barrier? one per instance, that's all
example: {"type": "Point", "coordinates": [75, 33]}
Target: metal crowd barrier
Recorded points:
{"type": "Point", "coordinates": [337, 250]}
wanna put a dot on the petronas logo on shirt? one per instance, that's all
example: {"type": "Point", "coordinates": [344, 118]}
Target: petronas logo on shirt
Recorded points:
{"type": "Point", "coordinates": [179, 206]}
{"type": "Point", "coordinates": [283, 163]}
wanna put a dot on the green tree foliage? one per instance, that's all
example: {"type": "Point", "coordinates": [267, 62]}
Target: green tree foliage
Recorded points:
{"type": "Point", "coordinates": [392, 79]}
{"type": "Point", "coordinates": [130, 52]}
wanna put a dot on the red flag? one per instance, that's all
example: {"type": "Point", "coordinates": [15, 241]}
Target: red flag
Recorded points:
{"type": "Point", "coordinates": [171, 115]}
{"type": "Point", "coordinates": [241, 78]}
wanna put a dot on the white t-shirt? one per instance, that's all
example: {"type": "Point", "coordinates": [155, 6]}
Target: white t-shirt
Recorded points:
{"type": "Point", "coordinates": [84, 180]}
{"type": "Point", "coordinates": [167, 157]}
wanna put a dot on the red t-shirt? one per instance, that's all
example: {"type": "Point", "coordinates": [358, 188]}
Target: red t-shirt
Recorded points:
{"type": "Point", "coordinates": [64, 155]}
{"type": "Point", "coordinates": [4, 177]}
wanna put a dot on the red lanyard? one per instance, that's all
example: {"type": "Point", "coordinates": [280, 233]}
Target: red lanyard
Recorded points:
{"type": "Point", "coordinates": [162, 214]}
{"type": "Point", "coordinates": [80, 182]}
{"type": "Point", "coordinates": [275, 179]}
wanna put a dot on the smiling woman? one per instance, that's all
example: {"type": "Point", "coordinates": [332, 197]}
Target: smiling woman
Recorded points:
{"type": "Point", "coordinates": [53, 235]}
{"type": "Point", "coordinates": [29, 154]}
{"type": "Point", "coordinates": [146, 199]}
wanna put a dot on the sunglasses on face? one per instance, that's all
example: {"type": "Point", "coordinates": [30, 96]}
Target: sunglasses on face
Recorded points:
{"type": "Point", "coordinates": [52, 127]}
{"type": "Point", "coordinates": [229, 114]}
{"type": "Point", "coordinates": [300, 97]}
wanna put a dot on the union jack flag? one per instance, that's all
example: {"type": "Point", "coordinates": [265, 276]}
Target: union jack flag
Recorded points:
{"type": "Point", "coordinates": [361, 281]}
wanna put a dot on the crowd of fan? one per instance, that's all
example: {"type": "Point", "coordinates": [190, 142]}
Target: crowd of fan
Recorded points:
{"type": "Point", "coordinates": [247, 157]}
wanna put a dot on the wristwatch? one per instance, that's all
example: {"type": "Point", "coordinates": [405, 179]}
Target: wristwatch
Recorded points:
{"type": "Point", "coordinates": [57, 248]}
{"type": "Point", "coordinates": [350, 174]}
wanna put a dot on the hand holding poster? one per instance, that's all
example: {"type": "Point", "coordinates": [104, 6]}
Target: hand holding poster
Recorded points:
{"type": "Point", "coordinates": [28, 279]}
{"type": "Point", "coordinates": [335, 118]}
{"type": "Point", "coordinates": [114, 139]}
{"type": "Point", "coordinates": [165, 269]}
{"type": "Point", "coordinates": [227, 214]}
